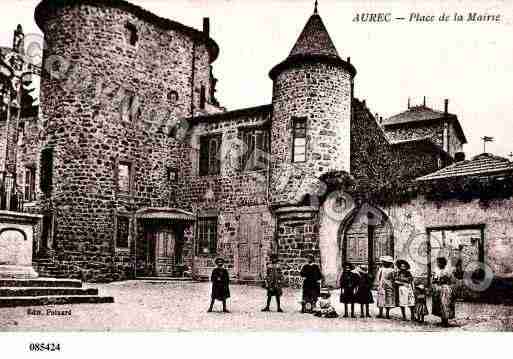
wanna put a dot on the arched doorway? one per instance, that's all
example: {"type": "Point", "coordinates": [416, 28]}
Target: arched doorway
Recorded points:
{"type": "Point", "coordinates": [365, 235]}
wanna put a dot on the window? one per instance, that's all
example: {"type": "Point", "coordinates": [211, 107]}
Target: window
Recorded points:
{"type": "Point", "coordinates": [47, 233]}
{"type": "Point", "coordinates": [207, 236]}
{"type": "Point", "coordinates": [203, 97]}
{"type": "Point", "coordinates": [30, 184]}
{"type": "Point", "coordinates": [172, 175]}
{"type": "Point", "coordinates": [210, 153]}
{"type": "Point", "coordinates": [299, 139]}
{"type": "Point", "coordinates": [256, 149]}
{"type": "Point", "coordinates": [122, 232]}
{"type": "Point", "coordinates": [131, 34]}
{"type": "Point", "coordinates": [172, 97]}
{"type": "Point", "coordinates": [129, 107]}
{"type": "Point", "coordinates": [124, 180]}
{"type": "Point", "coordinates": [46, 168]}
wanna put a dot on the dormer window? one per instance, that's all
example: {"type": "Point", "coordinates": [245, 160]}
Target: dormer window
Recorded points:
{"type": "Point", "coordinates": [131, 34]}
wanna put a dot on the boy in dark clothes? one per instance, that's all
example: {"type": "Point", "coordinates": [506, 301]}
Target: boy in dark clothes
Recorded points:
{"type": "Point", "coordinates": [363, 292]}
{"type": "Point", "coordinates": [220, 285]}
{"type": "Point", "coordinates": [348, 284]}
{"type": "Point", "coordinates": [274, 283]}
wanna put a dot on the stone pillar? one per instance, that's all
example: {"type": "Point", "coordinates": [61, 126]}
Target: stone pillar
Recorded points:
{"type": "Point", "coordinates": [16, 244]}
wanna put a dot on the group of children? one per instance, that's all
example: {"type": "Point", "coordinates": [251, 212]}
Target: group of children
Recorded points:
{"type": "Point", "coordinates": [395, 288]}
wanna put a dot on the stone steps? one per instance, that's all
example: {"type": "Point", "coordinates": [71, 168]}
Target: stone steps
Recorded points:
{"type": "Point", "coordinates": [6, 302]}
{"type": "Point", "coordinates": [41, 282]}
{"type": "Point", "coordinates": [45, 291]}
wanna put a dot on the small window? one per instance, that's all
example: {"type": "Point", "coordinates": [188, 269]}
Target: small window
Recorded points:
{"type": "Point", "coordinates": [172, 174]}
{"type": "Point", "coordinates": [256, 149]}
{"type": "Point", "coordinates": [30, 184]}
{"type": "Point", "coordinates": [46, 168]}
{"type": "Point", "coordinates": [47, 232]}
{"type": "Point", "coordinates": [203, 97]}
{"type": "Point", "coordinates": [207, 236]}
{"type": "Point", "coordinates": [299, 140]}
{"type": "Point", "coordinates": [124, 181]}
{"type": "Point", "coordinates": [172, 97]}
{"type": "Point", "coordinates": [131, 34]}
{"type": "Point", "coordinates": [210, 155]}
{"type": "Point", "coordinates": [129, 107]}
{"type": "Point", "coordinates": [122, 232]}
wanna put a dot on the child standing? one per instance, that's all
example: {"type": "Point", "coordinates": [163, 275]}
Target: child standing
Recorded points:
{"type": "Point", "coordinates": [363, 291]}
{"type": "Point", "coordinates": [274, 283]}
{"type": "Point", "coordinates": [348, 284]}
{"type": "Point", "coordinates": [220, 285]}
{"type": "Point", "coordinates": [420, 309]}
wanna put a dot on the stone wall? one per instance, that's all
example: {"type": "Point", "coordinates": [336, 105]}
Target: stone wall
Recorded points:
{"type": "Point", "coordinates": [412, 219]}
{"type": "Point", "coordinates": [322, 94]}
{"type": "Point", "coordinates": [297, 237]}
{"type": "Point", "coordinates": [230, 194]}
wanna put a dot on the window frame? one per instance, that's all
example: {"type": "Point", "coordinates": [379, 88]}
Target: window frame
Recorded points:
{"type": "Point", "coordinates": [117, 233]}
{"type": "Point", "coordinates": [253, 153]}
{"type": "Point", "coordinates": [29, 194]}
{"type": "Point", "coordinates": [128, 164]}
{"type": "Point", "coordinates": [295, 129]}
{"type": "Point", "coordinates": [210, 166]}
{"type": "Point", "coordinates": [208, 227]}
{"type": "Point", "coordinates": [132, 34]}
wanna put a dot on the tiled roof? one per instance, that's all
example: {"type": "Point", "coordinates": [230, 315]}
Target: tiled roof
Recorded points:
{"type": "Point", "coordinates": [483, 164]}
{"type": "Point", "coordinates": [250, 111]}
{"type": "Point", "coordinates": [314, 40]}
{"type": "Point", "coordinates": [419, 114]}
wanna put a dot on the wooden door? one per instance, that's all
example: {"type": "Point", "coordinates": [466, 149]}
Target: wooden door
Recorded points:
{"type": "Point", "coordinates": [250, 246]}
{"type": "Point", "coordinates": [164, 253]}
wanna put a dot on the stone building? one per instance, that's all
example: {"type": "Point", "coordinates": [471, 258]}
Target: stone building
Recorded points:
{"type": "Point", "coordinates": [142, 173]}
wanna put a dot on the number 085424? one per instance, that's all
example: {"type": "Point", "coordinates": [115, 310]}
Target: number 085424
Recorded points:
{"type": "Point", "coordinates": [44, 347]}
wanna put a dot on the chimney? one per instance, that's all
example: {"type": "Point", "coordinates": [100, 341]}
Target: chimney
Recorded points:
{"type": "Point", "coordinates": [348, 60]}
{"type": "Point", "coordinates": [409, 103]}
{"type": "Point", "coordinates": [446, 106]}
{"type": "Point", "coordinates": [424, 102]}
{"type": "Point", "coordinates": [380, 120]}
{"type": "Point", "coordinates": [459, 157]}
{"type": "Point", "coordinates": [206, 26]}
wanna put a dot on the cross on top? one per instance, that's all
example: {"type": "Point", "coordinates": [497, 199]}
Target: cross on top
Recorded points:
{"type": "Point", "coordinates": [316, 7]}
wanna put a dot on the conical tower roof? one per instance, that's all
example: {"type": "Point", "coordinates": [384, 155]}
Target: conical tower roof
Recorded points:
{"type": "Point", "coordinates": [314, 45]}
{"type": "Point", "coordinates": [314, 39]}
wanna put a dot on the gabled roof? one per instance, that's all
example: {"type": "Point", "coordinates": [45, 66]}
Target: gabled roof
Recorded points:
{"type": "Point", "coordinates": [314, 40]}
{"type": "Point", "coordinates": [483, 164]}
{"type": "Point", "coordinates": [165, 213]}
{"type": "Point", "coordinates": [422, 115]}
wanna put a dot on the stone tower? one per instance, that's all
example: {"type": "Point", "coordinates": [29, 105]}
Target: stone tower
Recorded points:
{"type": "Point", "coordinates": [116, 77]}
{"type": "Point", "coordinates": [310, 135]}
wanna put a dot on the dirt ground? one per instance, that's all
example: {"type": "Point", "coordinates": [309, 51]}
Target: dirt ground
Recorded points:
{"type": "Point", "coordinates": [182, 306]}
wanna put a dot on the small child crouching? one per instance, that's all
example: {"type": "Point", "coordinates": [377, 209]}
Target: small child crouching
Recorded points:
{"type": "Point", "coordinates": [325, 309]}
{"type": "Point", "coordinates": [420, 310]}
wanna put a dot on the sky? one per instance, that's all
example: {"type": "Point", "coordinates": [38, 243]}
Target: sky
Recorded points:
{"type": "Point", "coordinates": [469, 63]}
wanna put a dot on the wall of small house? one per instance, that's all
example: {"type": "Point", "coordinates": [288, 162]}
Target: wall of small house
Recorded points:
{"type": "Point", "coordinates": [410, 221]}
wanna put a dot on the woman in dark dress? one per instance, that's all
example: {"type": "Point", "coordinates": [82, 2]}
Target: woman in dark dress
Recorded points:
{"type": "Point", "coordinates": [220, 285]}
{"type": "Point", "coordinates": [348, 283]}
{"type": "Point", "coordinates": [311, 286]}
{"type": "Point", "coordinates": [363, 291]}
{"type": "Point", "coordinates": [443, 292]}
